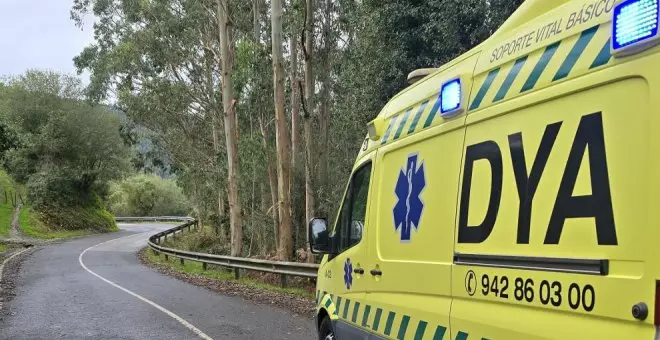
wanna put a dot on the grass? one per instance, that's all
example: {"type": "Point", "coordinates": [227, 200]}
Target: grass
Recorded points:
{"type": "Point", "coordinates": [31, 226]}
{"type": "Point", "coordinates": [3, 247]}
{"type": "Point", "coordinates": [218, 273]}
{"type": "Point", "coordinates": [8, 186]}
{"type": "Point", "coordinates": [6, 212]}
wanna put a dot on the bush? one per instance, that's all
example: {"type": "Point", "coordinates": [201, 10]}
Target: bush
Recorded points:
{"type": "Point", "coordinates": [63, 148]}
{"type": "Point", "coordinates": [147, 195]}
{"type": "Point", "coordinates": [91, 217]}
{"type": "Point", "coordinates": [204, 241]}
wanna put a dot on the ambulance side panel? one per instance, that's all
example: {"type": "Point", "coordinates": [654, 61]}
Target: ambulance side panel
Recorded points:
{"type": "Point", "coordinates": [419, 166]}
{"type": "Point", "coordinates": [557, 215]}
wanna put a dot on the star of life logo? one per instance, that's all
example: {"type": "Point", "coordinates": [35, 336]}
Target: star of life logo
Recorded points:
{"type": "Point", "coordinates": [408, 209]}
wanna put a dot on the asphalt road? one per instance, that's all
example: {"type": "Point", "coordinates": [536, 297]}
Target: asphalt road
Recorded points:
{"type": "Point", "coordinates": [116, 297]}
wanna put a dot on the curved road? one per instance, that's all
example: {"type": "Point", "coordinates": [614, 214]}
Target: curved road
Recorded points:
{"type": "Point", "coordinates": [116, 297]}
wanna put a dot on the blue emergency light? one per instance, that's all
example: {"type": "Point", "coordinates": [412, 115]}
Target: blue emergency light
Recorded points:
{"type": "Point", "coordinates": [635, 26]}
{"type": "Point", "coordinates": [450, 97]}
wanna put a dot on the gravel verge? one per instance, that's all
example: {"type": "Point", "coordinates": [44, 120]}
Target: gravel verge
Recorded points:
{"type": "Point", "coordinates": [9, 272]}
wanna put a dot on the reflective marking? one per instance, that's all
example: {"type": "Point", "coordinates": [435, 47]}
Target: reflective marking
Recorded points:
{"type": "Point", "coordinates": [439, 333]}
{"type": "Point", "coordinates": [434, 111]}
{"type": "Point", "coordinates": [421, 328]}
{"type": "Point", "coordinates": [540, 66]}
{"type": "Point", "coordinates": [328, 303]}
{"type": "Point", "coordinates": [185, 323]}
{"type": "Point", "coordinates": [403, 122]}
{"type": "Point", "coordinates": [356, 308]}
{"type": "Point", "coordinates": [389, 130]}
{"type": "Point", "coordinates": [365, 316]}
{"type": "Point", "coordinates": [576, 52]}
{"type": "Point", "coordinates": [338, 304]}
{"type": "Point", "coordinates": [403, 328]}
{"type": "Point", "coordinates": [510, 78]}
{"type": "Point", "coordinates": [379, 312]}
{"type": "Point", "coordinates": [461, 336]}
{"type": "Point", "coordinates": [388, 324]}
{"type": "Point", "coordinates": [603, 56]}
{"type": "Point", "coordinates": [418, 115]}
{"type": "Point", "coordinates": [345, 314]}
{"type": "Point", "coordinates": [484, 88]}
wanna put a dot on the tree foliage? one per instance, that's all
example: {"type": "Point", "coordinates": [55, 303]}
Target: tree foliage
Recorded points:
{"type": "Point", "coordinates": [161, 60]}
{"type": "Point", "coordinates": [63, 148]}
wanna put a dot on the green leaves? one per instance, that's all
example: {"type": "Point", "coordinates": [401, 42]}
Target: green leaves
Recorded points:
{"type": "Point", "coordinates": [160, 60]}
{"type": "Point", "coordinates": [147, 195]}
{"type": "Point", "coordinates": [64, 148]}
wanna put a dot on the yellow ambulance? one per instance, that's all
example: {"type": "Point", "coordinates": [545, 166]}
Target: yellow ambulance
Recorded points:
{"type": "Point", "coordinates": [513, 193]}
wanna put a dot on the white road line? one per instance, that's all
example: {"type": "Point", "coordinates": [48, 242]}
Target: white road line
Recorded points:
{"type": "Point", "coordinates": [153, 304]}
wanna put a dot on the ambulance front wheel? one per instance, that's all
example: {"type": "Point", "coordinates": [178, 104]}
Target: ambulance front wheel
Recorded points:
{"type": "Point", "coordinates": [325, 330]}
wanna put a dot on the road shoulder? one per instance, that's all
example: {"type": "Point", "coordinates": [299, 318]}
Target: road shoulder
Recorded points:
{"type": "Point", "coordinates": [10, 265]}
{"type": "Point", "coordinates": [296, 303]}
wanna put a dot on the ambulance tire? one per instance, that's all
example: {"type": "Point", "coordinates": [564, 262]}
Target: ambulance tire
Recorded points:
{"type": "Point", "coordinates": [325, 330]}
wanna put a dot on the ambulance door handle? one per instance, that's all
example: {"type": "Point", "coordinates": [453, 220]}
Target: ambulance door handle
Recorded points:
{"type": "Point", "coordinates": [358, 271]}
{"type": "Point", "coordinates": [376, 272]}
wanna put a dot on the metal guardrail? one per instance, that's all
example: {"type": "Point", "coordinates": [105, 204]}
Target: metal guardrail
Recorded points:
{"type": "Point", "coordinates": [284, 269]}
{"type": "Point", "coordinates": [154, 219]}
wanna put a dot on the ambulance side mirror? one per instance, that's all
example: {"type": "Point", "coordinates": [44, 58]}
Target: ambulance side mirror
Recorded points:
{"type": "Point", "coordinates": [319, 236]}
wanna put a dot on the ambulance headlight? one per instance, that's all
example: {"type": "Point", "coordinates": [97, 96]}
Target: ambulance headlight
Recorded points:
{"type": "Point", "coordinates": [635, 26]}
{"type": "Point", "coordinates": [450, 98]}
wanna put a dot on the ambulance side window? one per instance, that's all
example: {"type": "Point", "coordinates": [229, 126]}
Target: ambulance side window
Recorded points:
{"type": "Point", "coordinates": [354, 210]}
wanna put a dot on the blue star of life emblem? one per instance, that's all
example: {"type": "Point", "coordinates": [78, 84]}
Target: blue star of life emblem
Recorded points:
{"type": "Point", "coordinates": [409, 206]}
{"type": "Point", "coordinates": [348, 273]}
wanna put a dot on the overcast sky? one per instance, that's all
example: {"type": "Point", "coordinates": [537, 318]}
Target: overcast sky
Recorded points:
{"type": "Point", "coordinates": [40, 34]}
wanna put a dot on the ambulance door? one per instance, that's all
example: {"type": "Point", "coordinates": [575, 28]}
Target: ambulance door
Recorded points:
{"type": "Point", "coordinates": [348, 268]}
{"type": "Point", "coordinates": [410, 254]}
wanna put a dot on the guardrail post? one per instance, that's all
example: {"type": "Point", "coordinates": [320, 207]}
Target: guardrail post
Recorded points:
{"type": "Point", "coordinates": [282, 280]}
{"type": "Point", "coordinates": [237, 273]}
{"type": "Point", "coordinates": [203, 265]}
{"type": "Point", "coordinates": [181, 259]}
{"type": "Point", "coordinates": [155, 252]}
{"type": "Point", "coordinates": [167, 258]}
{"type": "Point", "coordinates": [165, 236]}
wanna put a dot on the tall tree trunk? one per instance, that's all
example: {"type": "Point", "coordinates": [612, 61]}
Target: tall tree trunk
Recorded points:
{"type": "Point", "coordinates": [272, 181]}
{"type": "Point", "coordinates": [282, 141]}
{"type": "Point", "coordinates": [309, 108]}
{"type": "Point", "coordinates": [256, 12]}
{"type": "Point", "coordinates": [323, 148]}
{"type": "Point", "coordinates": [229, 107]}
{"type": "Point", "coordinates": [295, 107]}
{"type": "Point", "coordinates": [213, 111]}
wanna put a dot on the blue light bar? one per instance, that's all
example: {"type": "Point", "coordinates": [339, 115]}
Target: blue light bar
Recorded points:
{"type": "Point", "coordinates": [635, 21]}
{"type": "Point", "coordinates": [450, 96]}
